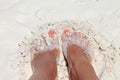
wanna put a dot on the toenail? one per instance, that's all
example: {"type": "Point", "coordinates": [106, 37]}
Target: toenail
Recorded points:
{"type": "Point", "coordinates": [51, 33]}
{"type": "Point", "coordinates": [83, 36]}
{"type": "Point", "coordinates": [66, 31]}
{"type": "Point", "coordinates": [75, 33]}
{"type": "Point", "coordinates": [34, 48]}
{"type": "Point", "coordinates": [88, 43]}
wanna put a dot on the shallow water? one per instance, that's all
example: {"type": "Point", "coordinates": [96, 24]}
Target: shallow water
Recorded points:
{"type": "Point", "coordinates": [102, 51]}
{"type": "Point", "coordinates": [19, 17]}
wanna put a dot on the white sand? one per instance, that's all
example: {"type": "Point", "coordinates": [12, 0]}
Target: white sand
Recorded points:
{"type": "Point", "coordinates": [19, 17]}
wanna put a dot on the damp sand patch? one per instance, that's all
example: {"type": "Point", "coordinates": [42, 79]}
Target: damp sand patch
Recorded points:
{"type": "Point", "coordinates": [105, 53]}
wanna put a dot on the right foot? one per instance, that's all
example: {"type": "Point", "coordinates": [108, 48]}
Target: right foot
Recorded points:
{"type": "Point", "coordinates": [78, 60]}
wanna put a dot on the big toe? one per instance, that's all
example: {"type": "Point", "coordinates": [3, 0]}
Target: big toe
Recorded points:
{"type": "Point", "coordinates": [54, 47]}
{"type": "Point", "coordinates": [66, 36]}
{"type": "Point", "coordinates": [65, 41]}
{"type": "Point", "coordinates": [35, 50]}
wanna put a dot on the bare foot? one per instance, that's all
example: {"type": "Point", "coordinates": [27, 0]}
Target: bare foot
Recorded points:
{"type": "Point", "coordinates": [75, 47]}
{"type": "Point", "coordinates": [44, 61]}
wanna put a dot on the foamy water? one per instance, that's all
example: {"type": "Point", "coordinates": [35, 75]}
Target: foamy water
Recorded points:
{"type": "Point", "coordinates": [19, 17]}
{"type": "Point", "coordinates": [104, 52]}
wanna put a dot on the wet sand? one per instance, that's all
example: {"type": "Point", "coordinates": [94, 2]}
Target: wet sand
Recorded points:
{"type": "Point", "coordinates": [102, 49]}
{"type": "Point", "coordinates": [18, 18]}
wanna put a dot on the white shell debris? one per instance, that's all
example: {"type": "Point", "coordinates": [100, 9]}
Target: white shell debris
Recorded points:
{"type": "Point", "coordinates": [104, 52]}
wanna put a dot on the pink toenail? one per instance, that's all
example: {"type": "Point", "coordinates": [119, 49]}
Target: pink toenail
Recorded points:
{"type": "Point", "coordinates": [34, 48]}
{"type": "Point", "coordinates": [75, 33]}
{"type": "Point", "coordinates": [88, 43]}
{"type": "Point", "coordinates": [83, 36]}
{"type": "Point", "coordinates": [66, 31]}
{"type": "Point", "coordinates": [51, 33]}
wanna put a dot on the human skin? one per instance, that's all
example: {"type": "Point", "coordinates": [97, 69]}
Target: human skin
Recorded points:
{"type": "Point", "coordinates": [79, 66]}
{"type": "Point", "coordinates": [44, 64]}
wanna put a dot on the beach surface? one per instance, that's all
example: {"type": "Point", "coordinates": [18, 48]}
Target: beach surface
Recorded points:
{"type": "Point", "coordinates": [20, 19]}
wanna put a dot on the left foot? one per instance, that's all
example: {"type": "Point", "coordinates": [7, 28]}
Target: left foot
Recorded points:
{"type": "Point", "coordinates": [44, 61]}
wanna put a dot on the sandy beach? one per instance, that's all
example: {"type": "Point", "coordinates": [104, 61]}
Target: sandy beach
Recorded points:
{"type": "Point", "coordinates": [18, 18]}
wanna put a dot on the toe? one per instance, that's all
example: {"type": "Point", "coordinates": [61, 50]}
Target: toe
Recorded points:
{"type": "Point", "coordinates": [51, 33]}
{"type": "Point", "coordinates": [54, 44]}
{"type": "Point", "coordinates": [80, 39]}
{"type": "Point", "coordinates": [75, 37]}
{"type": "Point", "coordinates": [55, 40]}
{"type": "Point", "coordinates": [34, 51]}
{"type": "Point", "coordinates": [66, 36]}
